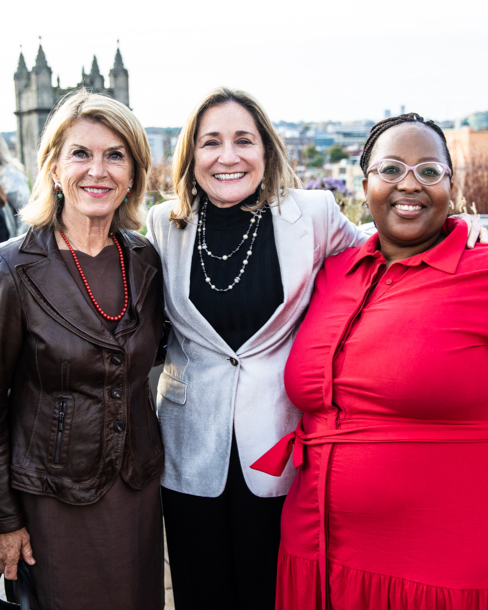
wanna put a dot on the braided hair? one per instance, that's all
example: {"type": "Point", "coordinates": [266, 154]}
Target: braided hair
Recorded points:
{"type": "Point", "coordinates": [382, 126]}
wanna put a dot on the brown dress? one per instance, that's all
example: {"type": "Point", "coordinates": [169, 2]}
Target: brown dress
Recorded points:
{"type": "Point", "coordinates": [109, 554]}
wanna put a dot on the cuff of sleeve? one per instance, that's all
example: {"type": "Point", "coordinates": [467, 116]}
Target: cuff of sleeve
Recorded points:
{"type": "Point", "coordinates": [12, 524]}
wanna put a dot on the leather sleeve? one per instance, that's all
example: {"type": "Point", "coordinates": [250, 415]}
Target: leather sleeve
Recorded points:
{"type": "Point", "coordinates": [11, 334]}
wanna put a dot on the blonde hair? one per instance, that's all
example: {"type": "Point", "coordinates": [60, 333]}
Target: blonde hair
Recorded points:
{"type": "Point", "coordinates": [279, 176]}
{"type": "Point", "coordinates": [43, 209]}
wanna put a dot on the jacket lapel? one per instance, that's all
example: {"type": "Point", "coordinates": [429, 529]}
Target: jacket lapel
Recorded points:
{"type": "Point", "coordinates": [294, 237]}
{"type": "Point", "coordinates": [179, 261]}
{"type": "Point", "coordinates": [139, 276]}
{"type": "Point", "coordinates": [52, 285]}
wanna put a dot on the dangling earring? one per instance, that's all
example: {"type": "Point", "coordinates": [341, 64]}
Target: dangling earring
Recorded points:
{"type": "Point", "coordinates": [262, 184]}
{"type": "Point", "coordinates": [451, 205]}
{"type": "Point", "coordinates": [126, 198]}
{"type": "Point", "coordinates": [57, 188]}
{"type": "Point", "coordinates": [194, 191]}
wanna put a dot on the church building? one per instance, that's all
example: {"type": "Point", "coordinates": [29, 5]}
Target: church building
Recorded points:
{"type": "Point", "coordinates": [35, 97]}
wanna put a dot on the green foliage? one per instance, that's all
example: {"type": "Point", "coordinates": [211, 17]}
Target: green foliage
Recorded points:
{"type": "Point", "coordinates": [317, 161]}
{"type": "Point", "coordinates": [312, 158]}
{"type": "Point", "coordinates": [310, 152]}
{"type": "Point", "coordinates": [336, 153]}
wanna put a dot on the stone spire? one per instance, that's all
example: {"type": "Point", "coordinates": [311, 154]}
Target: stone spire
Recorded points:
{"type": "Point", "coordinates": [41, 62]}
{"type": "Point", "coordinates": [95, 70]}
{"type": "Point", "coordinates": [118, 64]}
{"type": "Point", "coordinates": [95, 80]}
{"type": "Point", "coordinates": [119, 79]}
{"type": "Point", "coordinates": [22, 71]}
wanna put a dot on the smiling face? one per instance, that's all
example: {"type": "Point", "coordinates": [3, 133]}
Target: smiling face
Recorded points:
{"type": "Point", "coordinates": [95, 170]}
{"type": "Point", "coordinates": [229, 154]}
{"type": "Point", "coordinates": [408, 213]}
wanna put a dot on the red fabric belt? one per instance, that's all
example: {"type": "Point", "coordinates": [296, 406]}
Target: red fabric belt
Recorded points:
{"type": "Point", "coordinates": [274, 461]}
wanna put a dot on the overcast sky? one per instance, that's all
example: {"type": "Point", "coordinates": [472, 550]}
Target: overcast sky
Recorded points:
{"type": "Point", "coordinates": [308, 60]}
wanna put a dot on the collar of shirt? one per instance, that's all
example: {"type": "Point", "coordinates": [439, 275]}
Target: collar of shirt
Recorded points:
{"type": "Point", "coordinates": [444, 257]}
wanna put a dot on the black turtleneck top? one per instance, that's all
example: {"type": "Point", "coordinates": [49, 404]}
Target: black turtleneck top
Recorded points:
{"type": "Point", "coordinates": [238, 313]}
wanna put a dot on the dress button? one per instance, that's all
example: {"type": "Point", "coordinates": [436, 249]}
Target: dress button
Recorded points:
{"type": "Point", "coordinates": [119, 426]}
{"type": "Point", "coordinates": [233, 361]}
{"type": "Point", "coordinates": [116, 393]}
{"type": "Point", "coordinates": [389, 281]}
{"type": "Point", "coordinates": [117, 359]}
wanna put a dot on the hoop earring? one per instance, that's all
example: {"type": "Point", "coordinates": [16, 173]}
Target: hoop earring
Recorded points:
{"type": "Point", "coordinates": [57, 188]}
{"type": "Point", "coordinates": [451, 205]}
{"type": "Point", "coordinates": [126, 198]}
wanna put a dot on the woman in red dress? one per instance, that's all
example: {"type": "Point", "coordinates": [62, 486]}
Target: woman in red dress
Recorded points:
{"type": "Point", "coordinates": [389, 508]}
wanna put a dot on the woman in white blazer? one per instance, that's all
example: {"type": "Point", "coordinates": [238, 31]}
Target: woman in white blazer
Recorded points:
{"type": "Point", "coordinates": [240, 249]}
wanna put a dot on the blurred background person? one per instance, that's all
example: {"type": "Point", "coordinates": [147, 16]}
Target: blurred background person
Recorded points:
{"type": "Point", "coordinates": [4, 232]}
{"type": "Point", "coordinates": [15, 185]}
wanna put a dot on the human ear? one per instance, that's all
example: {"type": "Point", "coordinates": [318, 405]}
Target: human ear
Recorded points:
{"type": "Point", "coordinates": [54, 173]}
{"type": "Point", "coordinates": [365, 187]}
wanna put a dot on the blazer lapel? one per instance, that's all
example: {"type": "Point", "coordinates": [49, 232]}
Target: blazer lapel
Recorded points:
{"type": "Point", "coordinates": [294, 237]}
{"type": "Point", "coordinates": [179, 261]}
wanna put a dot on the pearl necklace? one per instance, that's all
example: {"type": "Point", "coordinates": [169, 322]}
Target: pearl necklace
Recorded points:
{"type": "Point", "coordinates": [88, 289]}
{"type": "Point", "coordinates": [202, 246]}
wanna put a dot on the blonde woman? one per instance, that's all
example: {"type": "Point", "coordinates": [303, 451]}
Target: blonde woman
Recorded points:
{"type": "Point", "coordinates": [80, 321]}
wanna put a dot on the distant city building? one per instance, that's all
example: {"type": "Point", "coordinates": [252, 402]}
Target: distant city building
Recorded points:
{"type": "Point", "coordinates": [35, 97]}
{"type": "Point", "coordinates": [346, 134]}
{"type": "Point", "coordinates": [296, 139]}
{"type": "Point", "coordinates": [323, 140]}
{"type": "Point", "coordinates": [350, 172]}
{"type": "Point", "coordinates": [468, 148]}
{"type": "Point", "coordinates": [158, 143]}
{"type": "Point", "coordinates": [478, 121]}
{"type": "Point", "coordinates": [387, 114]}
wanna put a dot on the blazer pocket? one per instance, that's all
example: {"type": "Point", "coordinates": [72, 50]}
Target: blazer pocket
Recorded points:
{"type": "Point", "coordinates": [172, 389]}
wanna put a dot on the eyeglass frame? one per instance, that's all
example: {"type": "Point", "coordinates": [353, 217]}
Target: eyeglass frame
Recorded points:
{"type": "Point", "coordinates": [410, 168]}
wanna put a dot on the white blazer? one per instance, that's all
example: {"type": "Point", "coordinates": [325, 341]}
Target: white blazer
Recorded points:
{"type": "Point", "coordinates": [206, 388]}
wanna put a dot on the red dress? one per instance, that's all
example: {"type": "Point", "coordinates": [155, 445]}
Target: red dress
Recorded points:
{"type": "Point", "coordinates": [389, 509]}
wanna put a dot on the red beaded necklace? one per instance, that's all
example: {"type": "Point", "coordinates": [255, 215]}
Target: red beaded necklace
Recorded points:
{"type": "Point", "coordinates": [90, 293]}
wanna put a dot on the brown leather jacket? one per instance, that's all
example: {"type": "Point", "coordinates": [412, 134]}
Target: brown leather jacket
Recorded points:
{"type": "Point", "coordinates": [75, 404]}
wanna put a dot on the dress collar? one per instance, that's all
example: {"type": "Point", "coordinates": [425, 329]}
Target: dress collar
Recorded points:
{"type": "Point", "coordinates": [444, 257]}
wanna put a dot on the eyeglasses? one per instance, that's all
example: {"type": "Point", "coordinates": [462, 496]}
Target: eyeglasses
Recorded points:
{"type": "Point", "coordinates": [391, 170]}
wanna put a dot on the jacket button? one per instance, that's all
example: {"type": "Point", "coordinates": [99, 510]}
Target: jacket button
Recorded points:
{"type": "Point", "coordinates": [119, 426]}
{"type": "Point", "coordinates": [117, 359]}
{"type": "Point", "coordinates": [116, 393]}
{"type": "Point", "coordinates": [233, 361]}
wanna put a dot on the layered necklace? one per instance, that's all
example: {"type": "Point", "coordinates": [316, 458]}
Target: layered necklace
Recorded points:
{"type": "Point", "coordinates": [203, 247]}
{"type": "Point", "coordinates": [88, 289]}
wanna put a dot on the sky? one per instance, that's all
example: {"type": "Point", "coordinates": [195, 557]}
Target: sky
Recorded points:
{"type": "Point", "coordinates": [307, 60]}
